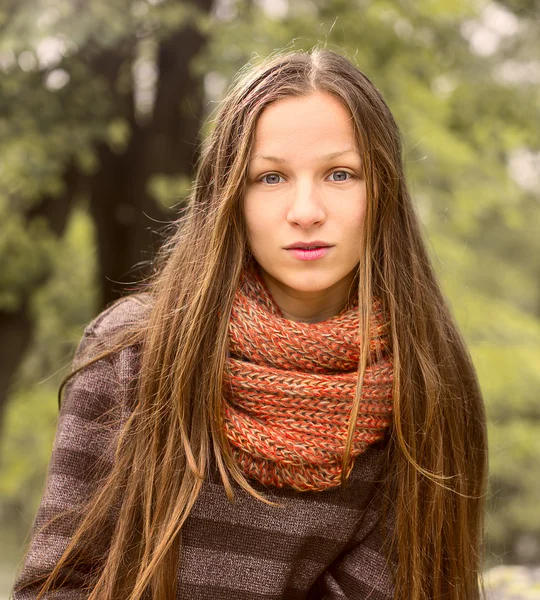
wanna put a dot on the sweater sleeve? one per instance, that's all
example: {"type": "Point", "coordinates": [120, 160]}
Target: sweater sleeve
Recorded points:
{"type": "Point", "coordinates": [82, 455]}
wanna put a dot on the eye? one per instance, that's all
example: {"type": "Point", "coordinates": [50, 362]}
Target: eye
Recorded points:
{"type": "Point", "coordinates": [341, 176]}
{"type": "Point", "coordinates": [270, 178]}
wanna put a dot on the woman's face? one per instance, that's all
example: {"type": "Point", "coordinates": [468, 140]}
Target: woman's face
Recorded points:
{"type": "Point", "coordinates": [306, 188]}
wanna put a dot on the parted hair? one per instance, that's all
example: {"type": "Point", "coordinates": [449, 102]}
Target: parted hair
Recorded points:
{"type": "Point", "coordinates": [436, 461]}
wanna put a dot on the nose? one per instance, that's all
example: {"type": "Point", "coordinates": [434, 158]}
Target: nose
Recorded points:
{"type": "Point", "coordinates": [306, 208]}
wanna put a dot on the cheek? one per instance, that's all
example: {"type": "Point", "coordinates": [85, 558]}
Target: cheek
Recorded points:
{"type": "Point", "coordinates": [361, 217]}
{"type": "Point", "coordinates": [261, 215]}
{"type": "Point", "coordinates": [252, 219]}
{"type": "Point", "coordinates": [352, 224]}
{"type": "Point", "coordinates": [352, 216]}
{"type": "Point", "coordinates": [361, 207]}
{"type": "Point", "coordinates": [258, 221]}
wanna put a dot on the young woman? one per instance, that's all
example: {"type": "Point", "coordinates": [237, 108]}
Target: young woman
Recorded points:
{"type": "Point", "coordinates": [289, 410]}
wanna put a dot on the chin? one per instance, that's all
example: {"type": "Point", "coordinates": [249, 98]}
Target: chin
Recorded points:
{"type": "Point", "coordinates": [314, 281]}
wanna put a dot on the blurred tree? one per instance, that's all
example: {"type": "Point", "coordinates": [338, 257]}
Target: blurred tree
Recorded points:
{"type": "Point", "coordinates": [97, 98]}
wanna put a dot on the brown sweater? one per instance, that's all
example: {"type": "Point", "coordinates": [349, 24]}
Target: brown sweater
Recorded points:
{"type": "Point", "coordinates": [316, 545]}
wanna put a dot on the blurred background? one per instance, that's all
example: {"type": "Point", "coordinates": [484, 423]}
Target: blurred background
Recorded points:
{"type": "Point", "coordinates": [102, 104]}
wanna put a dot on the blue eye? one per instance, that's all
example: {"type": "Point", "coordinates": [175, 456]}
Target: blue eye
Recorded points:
{"type": "Point", "coordinates": [271, 178]}
{"type": "Point", "coordinates": [343, 175]}
{"type": "Point", "coordinates": [275, 178]}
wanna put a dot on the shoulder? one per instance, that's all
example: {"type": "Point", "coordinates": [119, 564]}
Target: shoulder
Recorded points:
{"type": "Point", "coordinates": [131, 311]}
{"type": "Point", "coordinates": [107, 358]}
{"type": "Point", "coordinates": [115, 332]}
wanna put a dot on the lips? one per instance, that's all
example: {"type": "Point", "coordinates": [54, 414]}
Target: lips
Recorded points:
{"type": "Point", "coordinates": [308, 253]}
{"type": "Point", "coordinates": [308, 245]}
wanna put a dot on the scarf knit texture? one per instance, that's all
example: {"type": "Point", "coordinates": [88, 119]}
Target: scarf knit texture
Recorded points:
{"type": "Point", "coordinates": [290, 388]}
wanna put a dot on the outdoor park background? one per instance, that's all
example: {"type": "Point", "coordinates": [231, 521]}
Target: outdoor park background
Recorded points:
{"type": "Point", "coordinates": [100, 106]}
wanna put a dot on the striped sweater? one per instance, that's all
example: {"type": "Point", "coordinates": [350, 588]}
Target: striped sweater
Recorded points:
{"type": "Point", "coordinates": [315, 545]}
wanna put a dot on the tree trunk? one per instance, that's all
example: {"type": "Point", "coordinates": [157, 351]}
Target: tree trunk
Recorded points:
{"type": "Point", "coordinates": [125, 215]}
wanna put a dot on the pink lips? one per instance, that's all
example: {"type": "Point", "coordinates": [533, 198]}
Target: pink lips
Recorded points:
{"type": "Point", "coordinates": [313, 254]}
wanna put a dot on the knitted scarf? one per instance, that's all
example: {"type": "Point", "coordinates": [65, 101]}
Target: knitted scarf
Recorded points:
{"type": "Point", "coordinates": [290, 387]}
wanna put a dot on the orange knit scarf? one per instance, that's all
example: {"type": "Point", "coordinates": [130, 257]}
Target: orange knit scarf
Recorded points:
{"type": "Point", "coordinates": [290, 388]}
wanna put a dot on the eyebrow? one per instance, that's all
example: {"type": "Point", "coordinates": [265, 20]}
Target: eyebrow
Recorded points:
{"type": "Point", "coordinates": [330, 156]}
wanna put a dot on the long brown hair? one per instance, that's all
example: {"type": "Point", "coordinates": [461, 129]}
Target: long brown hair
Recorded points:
{"type": "Point", "coordinates": [437, 454]}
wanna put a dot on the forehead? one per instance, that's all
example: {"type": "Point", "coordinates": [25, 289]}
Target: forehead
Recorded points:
{"type": "Point", "coordinates": [318, 122]}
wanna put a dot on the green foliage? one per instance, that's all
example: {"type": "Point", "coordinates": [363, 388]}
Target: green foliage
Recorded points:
{"type": "Point", "coordinates": [170, 191]}
{"type": "Point", "coordinates": [26, 453]}
{"type": "Point", "coordinates": [26, 253]}
{"type": "Point", "coordinates": [514, 519]}
{"type": "Point", "coordinates": [64, 304]}
{"type": "Point", "coordinates": [61, 308]}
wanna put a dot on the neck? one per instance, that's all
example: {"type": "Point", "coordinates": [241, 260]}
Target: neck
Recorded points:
{"type": "Point", "coordinates": [311, 306]}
